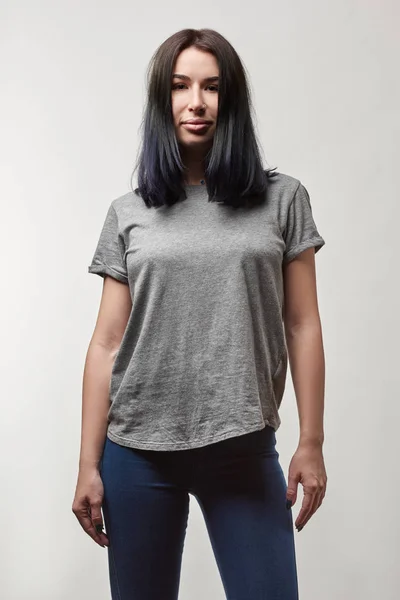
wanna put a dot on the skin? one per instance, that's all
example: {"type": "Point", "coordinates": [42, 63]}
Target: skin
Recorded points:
{"type": "Point", "coordinates": [306, 356]}
{"type": "Point", "coordinates": [302, 322]}
{"type": "Point", "coordinates": [301, 318]}
{"type": "Point", "coordinates": [188, 97]}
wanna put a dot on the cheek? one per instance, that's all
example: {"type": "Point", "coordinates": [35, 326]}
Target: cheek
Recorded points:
{"type": "Point", "coordinates": [214, 107]}
{"type": "Point", "coordinates": [177, 109]}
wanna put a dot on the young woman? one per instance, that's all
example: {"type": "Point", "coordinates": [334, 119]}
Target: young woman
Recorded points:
{"type": "Point", "coordinates": [209, 287]}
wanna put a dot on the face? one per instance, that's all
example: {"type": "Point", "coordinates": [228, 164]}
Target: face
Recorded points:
{"type": "Point", "coordinates": [189, 93]}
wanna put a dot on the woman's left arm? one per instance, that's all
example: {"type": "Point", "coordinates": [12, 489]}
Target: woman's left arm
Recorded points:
{"type": "Point", "coordinates": [303, 334]}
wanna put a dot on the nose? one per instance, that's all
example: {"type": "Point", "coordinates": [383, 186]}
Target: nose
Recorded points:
{"type": "Point", "coordinates": [197, 102]}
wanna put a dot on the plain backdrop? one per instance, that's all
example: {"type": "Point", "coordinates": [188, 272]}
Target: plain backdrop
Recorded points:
{"type": "Point", "coordinates": [325, 86]}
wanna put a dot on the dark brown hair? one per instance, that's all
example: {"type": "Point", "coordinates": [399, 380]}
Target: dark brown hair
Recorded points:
{"type": "Point", "coordinates": [233, 167]}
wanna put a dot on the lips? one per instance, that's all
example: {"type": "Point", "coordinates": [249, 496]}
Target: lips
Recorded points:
{"type": "Point", "coordinates": [196, 122]}
{"type": "Point", "coordinates": [197, 126]}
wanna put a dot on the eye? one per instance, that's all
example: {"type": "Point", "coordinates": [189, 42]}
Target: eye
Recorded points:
{"type": "Point", "coordinates": [176, 86]}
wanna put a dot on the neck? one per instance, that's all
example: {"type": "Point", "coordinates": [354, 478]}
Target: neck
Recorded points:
{"type": "Point", "coordinates": [194, 172]}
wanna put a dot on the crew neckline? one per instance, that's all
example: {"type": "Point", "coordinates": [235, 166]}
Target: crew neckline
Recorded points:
{"type": "Point", "coordinates": [195, 189]}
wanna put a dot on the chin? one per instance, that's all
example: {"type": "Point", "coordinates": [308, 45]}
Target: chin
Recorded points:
{"type": "Point", "coordinates": [193, 140]}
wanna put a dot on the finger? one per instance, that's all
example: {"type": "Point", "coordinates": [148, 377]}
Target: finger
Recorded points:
{"type": "Point", "coordinates": [87, 525]}
{"type": "Point", "coordinates": [323, 492]}
{"type": "Point", "coordinates": [291, 492]}
{"type": "Point", "coordinates": [102, 536]}
{"type": "Point", "coordinates": [313, 508]}
{"type": "Point", "coordinates": [321, 498]}
{"type": "Point", "coordinates": [97, 521]}
{"type": "Point", "coordinates": [96, 516]}
{"type": "Point", "coordinates": [318, 492]}
{"type": "Point", "coordinates": [99, 536]}
{"type": "Point", "coordinates": [83, 515]}
{"type": "Point", "coordinates": [305, 508]}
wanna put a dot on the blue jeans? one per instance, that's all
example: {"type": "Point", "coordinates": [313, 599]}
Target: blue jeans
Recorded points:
{"type": "Point", "coordinates": [241, 490]}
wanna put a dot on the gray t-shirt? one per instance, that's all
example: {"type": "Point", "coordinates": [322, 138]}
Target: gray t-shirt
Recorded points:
{"type": "Point", "coordinates": [203, 357]}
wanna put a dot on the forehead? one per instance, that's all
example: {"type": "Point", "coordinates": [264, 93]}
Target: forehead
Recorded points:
{"type": "Point", "coordinates": [195, 62]}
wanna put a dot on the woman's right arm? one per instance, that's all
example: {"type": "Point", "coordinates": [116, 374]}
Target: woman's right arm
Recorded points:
{"type": "Point", "coordinates": [114, 311]}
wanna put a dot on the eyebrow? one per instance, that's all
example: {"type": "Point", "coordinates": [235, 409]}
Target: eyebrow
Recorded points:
{"type": "Point", "coordinates": [187, 78]}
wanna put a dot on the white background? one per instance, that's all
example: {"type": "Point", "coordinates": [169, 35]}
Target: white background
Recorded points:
{"type": "Point", "coordinates": [324, 78]}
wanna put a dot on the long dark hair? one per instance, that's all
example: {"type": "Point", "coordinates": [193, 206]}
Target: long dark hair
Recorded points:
{"type": "Point", "coordinates": [233, 168]}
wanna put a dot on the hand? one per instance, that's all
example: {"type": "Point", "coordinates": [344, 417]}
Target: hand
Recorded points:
{"type": "Point", "coordinates": [307, 467]}
{"type": "Point", "coordinates": [87, 504]}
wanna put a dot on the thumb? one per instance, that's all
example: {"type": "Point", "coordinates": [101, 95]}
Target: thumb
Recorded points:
{"type": "Point", "coordinates": [291, 492]}
{"type": "Point", "coordinates": [96, 516]}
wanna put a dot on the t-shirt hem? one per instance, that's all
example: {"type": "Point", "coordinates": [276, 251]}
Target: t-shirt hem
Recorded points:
{"type": "Point", "coordinates": [196, 443]}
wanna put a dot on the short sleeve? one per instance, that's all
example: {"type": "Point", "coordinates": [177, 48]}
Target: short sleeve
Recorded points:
{"type": "Point", "coordinates": [108, 257]}
{"type": "Point", "coordinates": [301, 231]}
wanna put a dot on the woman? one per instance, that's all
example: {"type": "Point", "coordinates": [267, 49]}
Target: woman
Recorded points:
{"type": "Point", "coordinates": [190, 343]}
